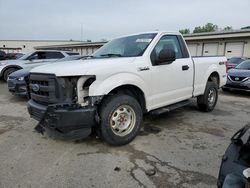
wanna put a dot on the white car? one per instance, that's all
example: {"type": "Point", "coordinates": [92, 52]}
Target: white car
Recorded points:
{"type": "Point", "coordinates": [30, 60]}
{"type": "Point", "coordinates": [109, 92]}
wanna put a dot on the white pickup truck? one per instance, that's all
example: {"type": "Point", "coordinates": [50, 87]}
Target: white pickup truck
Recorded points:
{"type": "Point", "coordinates": [110, 91]}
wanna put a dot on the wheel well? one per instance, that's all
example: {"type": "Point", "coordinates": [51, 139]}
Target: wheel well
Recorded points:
{"type": "Point", "coordinates": [133, 91]}
{"type": "Point", "coordinates": [10, 67]}
{"type": "Point", "coordinates": [214, 77]}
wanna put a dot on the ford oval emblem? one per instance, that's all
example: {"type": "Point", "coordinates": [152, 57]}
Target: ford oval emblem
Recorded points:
{"type": "Point", "coordinates": [35, 87]}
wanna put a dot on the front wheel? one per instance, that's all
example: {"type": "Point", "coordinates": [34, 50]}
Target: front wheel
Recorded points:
{"type": "Point", "coordinates": [121, 117]}
{"type": "Point", "coordinates": [8, 72]}
{"type": "Point", "coordinates": [208, 101]}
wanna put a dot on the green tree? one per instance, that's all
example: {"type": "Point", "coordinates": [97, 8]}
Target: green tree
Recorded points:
{"type": "Point", "coordinates": [184, 31]}
{"type": "Point", "coordinates": [209, 27]}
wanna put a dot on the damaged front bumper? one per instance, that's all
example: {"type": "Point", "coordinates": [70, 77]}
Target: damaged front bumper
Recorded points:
{"type": "Point", "coordinates": [63, 120]}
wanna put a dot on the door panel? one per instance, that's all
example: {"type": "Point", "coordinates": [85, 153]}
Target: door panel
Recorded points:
{"type": "Point", "coordinates": [210, 49]}
{"type": "Point", "coordinates": [234, 49]}
{"type": "Point", "coordinates": [171, 82]}
{"type": "Point", "coordinates": [193, 49]}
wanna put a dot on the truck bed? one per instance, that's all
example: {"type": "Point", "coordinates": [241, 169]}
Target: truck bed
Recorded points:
{"type": "Point", "coordinates": [203, 67]}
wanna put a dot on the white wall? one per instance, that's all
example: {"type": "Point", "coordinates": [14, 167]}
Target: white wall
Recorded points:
{"type": "Point", "coordinates": [198, 47]}
{"type": "Point", "coordinates": [28, 46]}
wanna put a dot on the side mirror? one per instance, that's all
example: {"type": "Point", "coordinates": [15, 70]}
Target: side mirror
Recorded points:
{"type": "Point", "coordinates": [166, 56]}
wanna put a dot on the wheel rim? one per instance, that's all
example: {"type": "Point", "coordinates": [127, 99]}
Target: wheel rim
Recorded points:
{"type": "Point", "coordinates": [211, 97]}
{"type": "Point", "coordinates": [123, 120]}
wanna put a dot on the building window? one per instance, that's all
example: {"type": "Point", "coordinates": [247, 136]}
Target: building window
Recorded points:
{"type": "Point", "coordinates": [4, 45]}
{"type": "Point", "coordinates": [24, 46]}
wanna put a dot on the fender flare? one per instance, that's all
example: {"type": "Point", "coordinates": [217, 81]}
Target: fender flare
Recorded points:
{"type": "Point", "coordinates": [212, 69]}
{"type": "Point", "coordinates": [104, 87]}
{"type": "Point", "coordinates": [8, 67]}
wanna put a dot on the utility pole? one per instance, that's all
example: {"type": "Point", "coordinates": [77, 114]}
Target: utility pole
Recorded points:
{"type": "Point", "coordinates": [81, 32]}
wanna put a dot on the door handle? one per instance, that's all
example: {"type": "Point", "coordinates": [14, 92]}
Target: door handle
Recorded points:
{"type": "Point", "coordinates": [185, 67]}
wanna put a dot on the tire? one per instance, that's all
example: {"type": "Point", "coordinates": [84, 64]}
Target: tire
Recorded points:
{"type": "Point", "coordinates": [8, 72]}
{"type": "Point", "coordinates": [208, 101]}
{"type": "Point", "coordinates": [121, 117]}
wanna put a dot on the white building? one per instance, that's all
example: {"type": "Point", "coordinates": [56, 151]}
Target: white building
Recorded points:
{"type": "Point", "coordinates": [26, 46]}
{"type": "Point", "coordinates": [227, 43]}
{"type": "Point", "coordinates": [84, 48]}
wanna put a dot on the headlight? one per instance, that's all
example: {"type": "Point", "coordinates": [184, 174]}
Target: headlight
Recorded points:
{"type": "Point", "coordinates": [3, 63]}
{"type": "Point", "coordinates": [20, 79]}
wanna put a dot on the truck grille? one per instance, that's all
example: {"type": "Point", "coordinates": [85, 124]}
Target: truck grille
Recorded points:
{"type": "Point", "coordinates": [236, 78]}
{"type": "Point", "coordinates": [43, 88]}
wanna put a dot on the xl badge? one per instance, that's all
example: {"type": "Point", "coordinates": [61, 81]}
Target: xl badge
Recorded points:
{"type": "Point", "coordinates": [35, 87]}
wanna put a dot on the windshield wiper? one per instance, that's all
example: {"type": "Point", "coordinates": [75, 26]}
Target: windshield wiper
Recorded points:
{"type": "Point", "coordinates": [111, 55]}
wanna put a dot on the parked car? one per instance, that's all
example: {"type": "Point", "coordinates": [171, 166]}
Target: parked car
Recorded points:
{"type": "Point", "coordinates": [13, 55]}
{"type": "Point", "coordinates": [239, 77]}
{"type": "Point", "coordinates": [234, 170]}
{"type": "Point", "coordinates": [150, 72]}
{"type": "Point", "coordinates": [17, 81]}
{"type": "Point", "coordinates": [30, 60]}
{"type": "Point", "coordinates": [2, 55]}
{"type": "Point", "coordinates": [234, 61]}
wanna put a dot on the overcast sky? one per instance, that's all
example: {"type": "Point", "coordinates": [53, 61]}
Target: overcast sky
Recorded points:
{"type": "Point", "coordinates": [62, 19]}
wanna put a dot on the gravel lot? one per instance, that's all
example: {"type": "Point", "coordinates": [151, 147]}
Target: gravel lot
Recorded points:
{"type": "Point", "coordinates": [182, 148]}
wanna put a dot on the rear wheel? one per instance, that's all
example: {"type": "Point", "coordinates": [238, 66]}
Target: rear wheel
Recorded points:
{"type": "Point", "coordinates": [8, 72]}
{"type": "Point", "coordinates": [208, 101]}
{"type": "Point", "coordinates": [121, 117]}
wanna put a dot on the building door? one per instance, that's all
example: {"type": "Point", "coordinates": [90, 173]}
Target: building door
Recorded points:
{"type": "Point", "coordinates": [193, 49]}
{"type": "Point", "coordinates": [234, 49]}
{"type": "Point", "coordinates": [210, 49]}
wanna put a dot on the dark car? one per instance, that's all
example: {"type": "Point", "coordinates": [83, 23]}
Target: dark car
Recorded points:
{"type": "Point", "coordinates": [234, 61]}
{"type": "Point", "coordinates": [234, 170]}
{"type": "Point", "coordinates": [239, 77]}
{"type": "Point", "coordinates": [17, 81]}
{"type": "Point", "coordinates": [2, 55]}
{"type": "Point", "coordinates": [13, 55]}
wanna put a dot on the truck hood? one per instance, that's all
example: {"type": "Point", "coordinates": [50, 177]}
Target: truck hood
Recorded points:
{"type": "Point", "coordinates": [83, 66]}
{"type": "Point", "coordinates": [239, 72]}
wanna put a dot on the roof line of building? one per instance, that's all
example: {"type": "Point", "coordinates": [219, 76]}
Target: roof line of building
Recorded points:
{"type": "Point", "coordinates": [40, 40]}
{"type": "Point", "coordinates": [73, 45]}
{"type": "Point", "coordinates": [217, 33]}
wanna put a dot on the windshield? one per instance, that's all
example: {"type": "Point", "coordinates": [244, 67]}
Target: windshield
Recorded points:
{"type": "Point", "coordinates": [235, 60]}
{"type": "Point", "coordinates": [244, 65]}
{"type": "Point", "coordinates": [24, 57]}
{"type": "Point", "coordinates": [131, 46]}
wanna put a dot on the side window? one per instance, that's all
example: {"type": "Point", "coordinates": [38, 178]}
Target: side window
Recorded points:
{"type": "Point", "coordinates": [72, 53]}
{"type": "Point", "coordinates": [167, 42]}
{"type": "Point", "coordinates": [53, 55]}
{"type": "Point", "coordinates": [37, 55]}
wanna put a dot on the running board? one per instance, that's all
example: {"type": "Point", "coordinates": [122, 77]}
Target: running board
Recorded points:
{"type": "Point", "coordinates": [170, 107]}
